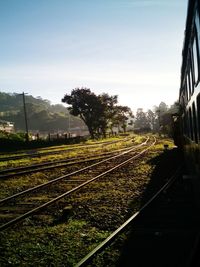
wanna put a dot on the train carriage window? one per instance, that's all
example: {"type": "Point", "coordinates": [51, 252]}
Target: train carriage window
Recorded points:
{"type": "Point", "coordinates": [185, 92]}
{"type": "Point", "coordinates": [198, 115]}
{"type": "Point", "coordinates": [197, 23]}
{"type": "Point", "coordinates": [188, 87]}
{"type": "Point", "coordinates": [191, 81]}
{"type": "Point", "coordinates": [183, 95]}
{"type": "Point", "coordinates": [182, 100]}
{"type": "Point", "coordinates": [195, 60]}
{"type": "Point", "coordinates": [194, 117]}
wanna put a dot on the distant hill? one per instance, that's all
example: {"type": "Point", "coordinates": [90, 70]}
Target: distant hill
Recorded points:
{"type": "Point", "coordinates": [41, 115]}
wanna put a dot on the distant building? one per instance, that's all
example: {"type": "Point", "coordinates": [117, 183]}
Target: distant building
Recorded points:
{"type": "Point", "coordinates": [6, 126]}
{"type": "Point", "coordinates": [79, 131]}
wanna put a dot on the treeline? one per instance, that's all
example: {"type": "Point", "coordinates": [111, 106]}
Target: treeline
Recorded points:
{"type": "Point", "coordinates": [101, 113]}
{"type": "Point", "coordinates": [157, 120]}
{"type": "Point", "coordinates": [41, 115]}
{"type": "Point", "coordinates": [15, 141]}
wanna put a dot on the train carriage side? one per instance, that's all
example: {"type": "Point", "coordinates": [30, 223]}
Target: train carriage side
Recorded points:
{"type": "Point", "coordinates": [189, 97]}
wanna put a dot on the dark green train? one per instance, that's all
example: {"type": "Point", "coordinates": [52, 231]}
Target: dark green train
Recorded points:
{"type": "Point", "coordinates": [189, 97]}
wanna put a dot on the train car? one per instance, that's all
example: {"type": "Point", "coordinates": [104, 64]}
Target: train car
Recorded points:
{"type": "Point", "coordinates": [189, 97]}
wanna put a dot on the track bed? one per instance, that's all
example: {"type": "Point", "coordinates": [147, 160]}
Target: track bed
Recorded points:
{"type": "Point", "coordinates": [166, 234]}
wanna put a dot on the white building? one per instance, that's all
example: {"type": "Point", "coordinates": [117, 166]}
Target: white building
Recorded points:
{"type": "Point", "coordinates": [6, 126]}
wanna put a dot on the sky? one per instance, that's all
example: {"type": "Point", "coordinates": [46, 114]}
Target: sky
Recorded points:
{"type": "Point", "coordinates": [129, 48]}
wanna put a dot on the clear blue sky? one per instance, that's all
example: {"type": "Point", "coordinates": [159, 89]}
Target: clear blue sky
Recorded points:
{"type": "Point", "coordinates": [131, 48]}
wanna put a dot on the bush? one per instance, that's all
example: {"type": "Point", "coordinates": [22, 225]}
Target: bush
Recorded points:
{"type": "Point", "coordinates": [17, 141]}
{"type": "Point", "coordinates": [12, 136]}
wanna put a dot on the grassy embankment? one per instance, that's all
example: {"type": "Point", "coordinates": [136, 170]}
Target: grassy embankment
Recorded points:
{"type": "Point", "coordinates": [97, 210]}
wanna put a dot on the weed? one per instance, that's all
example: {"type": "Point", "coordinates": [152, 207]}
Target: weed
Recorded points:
{"type": "Point", "coordinates": [61, 245]}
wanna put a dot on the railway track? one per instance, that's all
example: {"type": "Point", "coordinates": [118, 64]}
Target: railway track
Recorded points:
{"type": "Point", "coordinates": [35, 153]}
{"type": "Point", "coordinates": [37, 200]}
{"type": "Point", "coordinates": [164, 232]}
{"type": "Point", "coordinates": [10, 172]}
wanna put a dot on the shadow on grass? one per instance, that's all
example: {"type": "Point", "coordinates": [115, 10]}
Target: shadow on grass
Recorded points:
{"type": "Point", "coordinates": [133, 255]}
{"type": "Point", "coordinates": [164, 167]}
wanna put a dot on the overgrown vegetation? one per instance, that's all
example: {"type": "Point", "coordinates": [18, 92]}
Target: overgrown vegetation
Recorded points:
{"type": "Point", "coordinates": [59, 245]}
{"type": "Point", "coordinates": [41, 114]}
{"type": "Point", "coordinates": [18, 141]}
{"type": "Point", "coordinates": [68, 151]}
{"type": "Point", "coordinates": [158, 120]}
{"type": "Point", "coordinates": [19, 183]}
{"type": "Point", "coordinates": [96, 211]}
{"type": "Point", "coordinates": [98, 112]}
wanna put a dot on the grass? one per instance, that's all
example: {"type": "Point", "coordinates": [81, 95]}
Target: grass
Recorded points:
{"type": "Point", "coordinates": [60, 245]}
{"type": "Point", "coordinates": [80, 151]}
{"type": "Point", "coordinates": [17, 184]}
{"type": "Point", "coordinates": [96, 210]}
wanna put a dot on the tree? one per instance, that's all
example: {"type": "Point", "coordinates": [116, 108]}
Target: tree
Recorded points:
{"type": "Point", "coordinates": [121, 116]}
{"type": "Point", "coordinates": [141, 120]}
{"type": "Point", "coordinates": [163, 107]}
{"type": "Point", "coordinates": [175, 108]}
{"type": "Point", "coordinates": [108, 112]}
{"type": "Point", "coordinates": [87, 105]}
{"type": "Point", "coordinates": [41, 115]}
{"type": "Point", "coordinates": [152, 121]}
{"type": "Point", "coordinates": [97, 111]}
{"type": "Point", "coordinates": [164, 117]}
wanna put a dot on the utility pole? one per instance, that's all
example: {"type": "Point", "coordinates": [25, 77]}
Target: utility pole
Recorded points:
{"type": "Point", "coordinates": [69, 124]}
{"type": "Point", "coordinates": [25, 116]}
{"type": "Point", "coordinates": [159, 121]}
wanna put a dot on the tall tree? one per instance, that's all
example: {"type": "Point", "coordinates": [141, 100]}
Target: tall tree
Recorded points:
{"type": "Point", "coordinates": [108, 112]}
{"type": "Point", "coordinates": [87, 105]}
{"type": "Point", "coordinates": [152, 120]}
{"type": "Point", "coordinates": [141, 120]}
{"type": "Point", "coordinates": [163, 107]}
{"type": "Point", "coordinates": [122, 114]}
{"type": "Point", "coordinates": [165, 117]}
{"type": "Point", "coordinates": [97, 111]}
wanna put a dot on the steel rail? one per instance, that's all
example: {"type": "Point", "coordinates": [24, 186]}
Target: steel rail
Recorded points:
{"type": "Point", "coordinates": [22, 152]}
{"type": "Point", "coordinates": [54, 162]}
{"type": "Point", "coordinates": [67, 175]}
{"type": "Point", "coordinates": [89, 257]}
{"type": "Point", "coordinates": [58, 151]}
{"type": "Point", "coordinates": [27, 171]}
{"type": "Point", "coordinates": [33, 211]}
{"type": "Point", "coordinates": [6, 173]}
{"type": "Point", "coordinates": [72, 146]}
{"type": "Point", "coordinates": [14, 169]}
